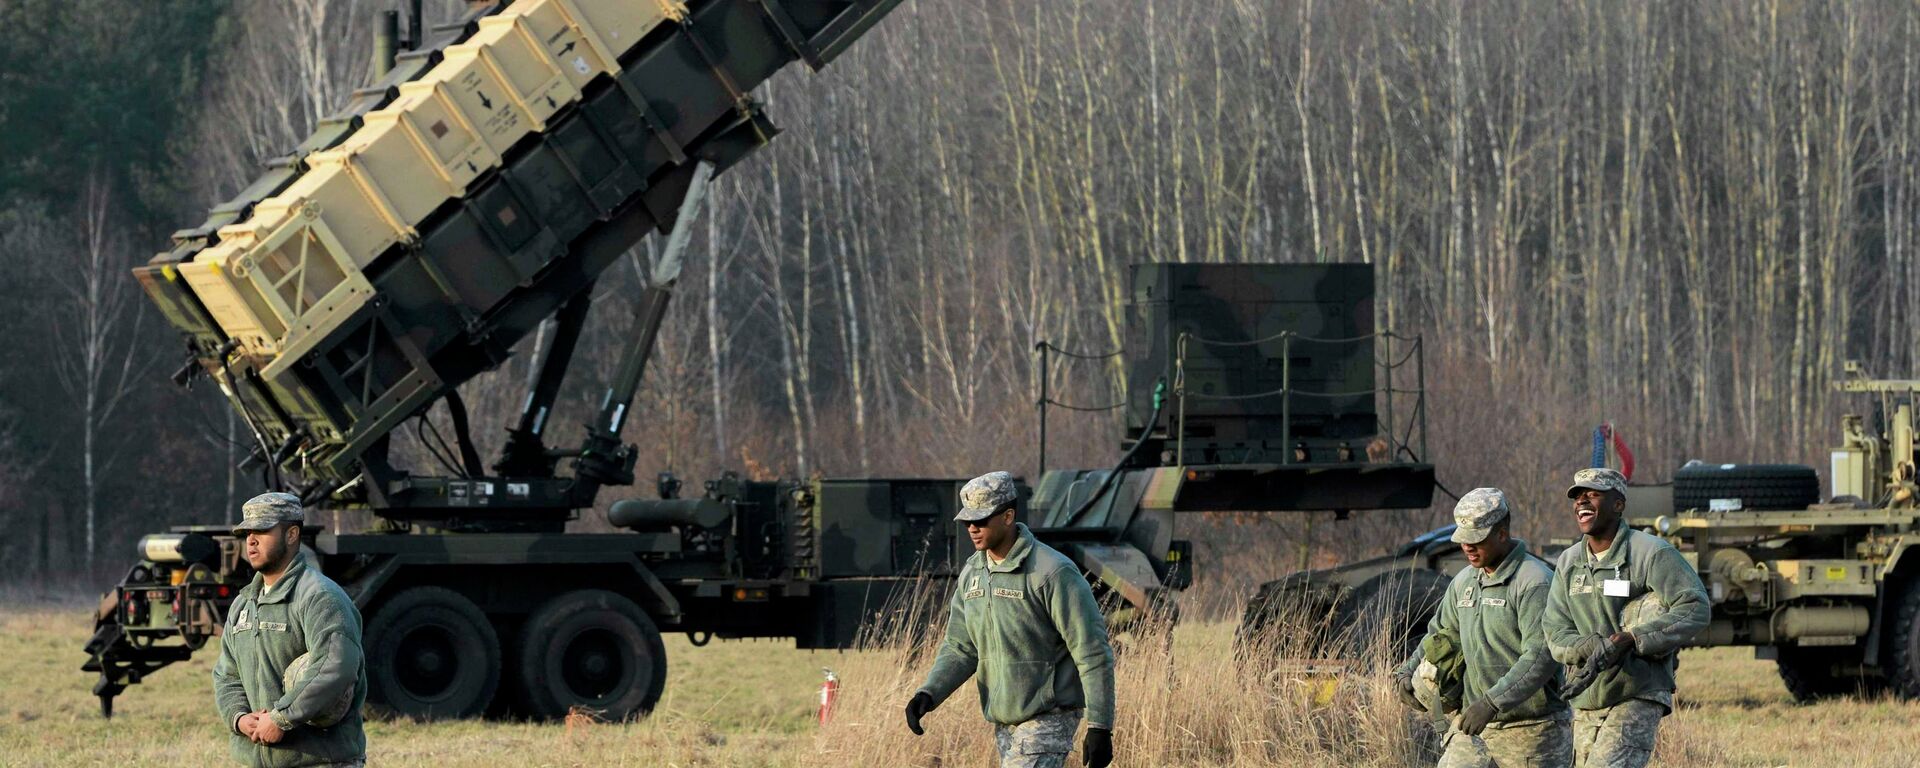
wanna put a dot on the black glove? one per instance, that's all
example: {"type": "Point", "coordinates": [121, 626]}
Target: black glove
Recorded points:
{"type": "Point", "coordinates": [1587, 646]}
{"type": "Point", "coordinates": [1616, 652]}
{"type": "Point", "coordinates": [1582, 674]}
{"type": "Point", "coordinates": [917, 708]}
{"type": "Point", "coordinates": [1475, 718]}
{"type": "Point", "coordinates": [1403, 684]}
{"type": "Point", "coordinates": [1097, 750]}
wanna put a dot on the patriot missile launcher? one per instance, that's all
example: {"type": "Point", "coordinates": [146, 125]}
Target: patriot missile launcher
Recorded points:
{"type": "Point", "coordinates": [499, 165]}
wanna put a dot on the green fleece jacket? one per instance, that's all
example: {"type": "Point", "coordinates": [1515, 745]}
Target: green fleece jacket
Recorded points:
{"type": "Point", "coordinates": [306, 613]}
{"type": "Point", "coordinates": [1029, 626]}
{"type": "Point", "coordinates": [1497, 619]}
{"type": "Point", "coordinates": [1581, 605]}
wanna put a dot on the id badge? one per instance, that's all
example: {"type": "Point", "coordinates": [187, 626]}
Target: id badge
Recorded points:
{"type": "Point", "coordinates": [1615, 588]}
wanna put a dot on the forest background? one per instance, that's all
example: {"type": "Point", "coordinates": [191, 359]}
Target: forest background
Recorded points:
{"type": "Point", "coordinates": [1680, 218]}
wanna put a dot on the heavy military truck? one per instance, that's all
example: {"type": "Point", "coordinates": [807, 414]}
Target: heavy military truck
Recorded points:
{"type": "Point", "coordinates": [1826, 589]}
{"type": "Point", "coordinates": [477, 190]}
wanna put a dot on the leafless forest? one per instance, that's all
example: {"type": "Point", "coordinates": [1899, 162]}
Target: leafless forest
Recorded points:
{"type": "Point", "coordinates": [1678, 217]}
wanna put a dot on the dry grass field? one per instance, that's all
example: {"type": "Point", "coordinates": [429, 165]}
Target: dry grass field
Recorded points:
{"type": "Point", "coordinates": [752, 704]}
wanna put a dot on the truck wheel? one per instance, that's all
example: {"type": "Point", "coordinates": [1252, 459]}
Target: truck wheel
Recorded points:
{"type": "Point", "coordinates": [1389, 612]}
{"type": "Point", "coordinates": [1811, 674]}
{"type": "Point", "coordinates": [431, 653]}
{"type": "Point", "coordinates": [1757, 486]}
{"type": "Point", "coordinates": [592, 649]}
{"type": "Point", "coordinates": [1902, 652]}
{"type": "Point", "coordinates": [1295, 603]}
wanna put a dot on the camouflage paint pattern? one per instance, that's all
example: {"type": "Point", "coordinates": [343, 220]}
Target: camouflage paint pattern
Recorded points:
{"type": "Point", "coordinates": [1620, 736]}
{"type": "Point", "coordinates": [1245, 307]}
{"type": "Point", "coordinates": [1042, 742]}
{"type": "Point", "coordinates": [1475, 515]}
{"type": "Point", "coordinates": [985, 495]}
{"type": "Point", "coordinates": [1597, 479]}
{"type": "Point", "coordinates": [1533, 744]}
{"type": "Point", "coordinates": [263, 512]}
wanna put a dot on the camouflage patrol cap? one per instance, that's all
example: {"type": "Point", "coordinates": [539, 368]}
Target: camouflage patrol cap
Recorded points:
{"type": "Point", "coordinates": [985, 495]}
{"type": "Point", "coordinates": [1477, 513]}
{"type": "Point", "coordinates": [1642, 610]}
{"type": "Point", "coordinates": [263, 512]}
{"type": "Point", "coordinates": [1597, 479]}
{"type": "Point", "coordinates": [334, 711]}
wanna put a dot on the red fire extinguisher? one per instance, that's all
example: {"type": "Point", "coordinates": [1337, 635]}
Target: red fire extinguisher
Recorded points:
{"type": "Point", "coordinates": [829, 690]}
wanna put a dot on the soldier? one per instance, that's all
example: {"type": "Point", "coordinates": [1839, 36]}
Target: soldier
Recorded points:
{"type": "Point", "coordinates": [1615, 719]}
{"type": "Point", "coordinates": [289, 613]}
{"type": "Point", "coordinates": [1510, 686]}
{"type": "Point", "coordinates": [1024, 618]}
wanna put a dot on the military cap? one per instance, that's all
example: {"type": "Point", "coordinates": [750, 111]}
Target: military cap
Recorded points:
{"type": "Point", "coordinates": [1642, 610]}
{"type": "Point", "coordinates": [1477, 513]}
{"type": "Point", "coordinates": [1597, 479]}
{"type": "Point", "coordinates": [336, 710]}
{"type": "Point", "coordinates": [263, 512]}
{"type": "Point", "coordinates": [982, 496]}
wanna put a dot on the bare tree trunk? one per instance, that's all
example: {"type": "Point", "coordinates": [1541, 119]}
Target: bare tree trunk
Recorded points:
{"type": "Point", "coordinates": [716, 351]}
{"type": "Point", "coordinates": [102, 329]}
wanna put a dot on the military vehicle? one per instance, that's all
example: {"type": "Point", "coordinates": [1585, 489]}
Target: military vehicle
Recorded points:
{"type": "Point", "coordinates": [476, 190]}
{"type": "Point", "coordinates": [1828, 590]}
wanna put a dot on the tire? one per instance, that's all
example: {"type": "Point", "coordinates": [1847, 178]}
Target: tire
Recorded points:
{"type": "Point", "coordinates": [1389, 612]}
{"type": "Point", "coordinates": [1810, 674]}
{"type": "Point", "coordinates": [1757, 486]}
{"type": "Point", "coordinates": [1295, 602]}
{"type": "Point", "coordinates": [432, 654]}
{"type": "Point", "coordinates": [1901, 655]}
{"type": "Point", "coordinates": [594, 649]}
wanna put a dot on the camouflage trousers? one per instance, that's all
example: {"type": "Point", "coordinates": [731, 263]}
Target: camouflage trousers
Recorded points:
{"type": "Point", "coordinates": [1534, 744]}
{"type": "Point", "coordinates": [1620, 736]}
{"type": "Point", "coordinates": [1042, 742]}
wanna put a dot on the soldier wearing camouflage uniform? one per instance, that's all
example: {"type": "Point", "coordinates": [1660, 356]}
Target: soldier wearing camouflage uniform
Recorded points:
{"type": "Point", "coordinates": [1024, 619]}
{"type": "Point", "coordinates": [1616, 718]}
{"type": "Point", "coordinates": [1510, 685]}
{"type": "Point", "coordinates": [289, 613]}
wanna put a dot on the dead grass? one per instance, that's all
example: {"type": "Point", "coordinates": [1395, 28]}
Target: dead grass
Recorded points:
{"type": "Point", "coordinates": [1733, 711]}
{"type": "Point", "coordinates": [1187, 703]}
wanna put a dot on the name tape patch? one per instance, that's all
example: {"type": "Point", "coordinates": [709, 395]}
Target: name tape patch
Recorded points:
{"type": "Point", "coordinates": [1010, 593]}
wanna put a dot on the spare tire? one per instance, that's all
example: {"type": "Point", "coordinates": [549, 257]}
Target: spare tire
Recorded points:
{"type": "Point", "coordinates": [1756, 486]}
